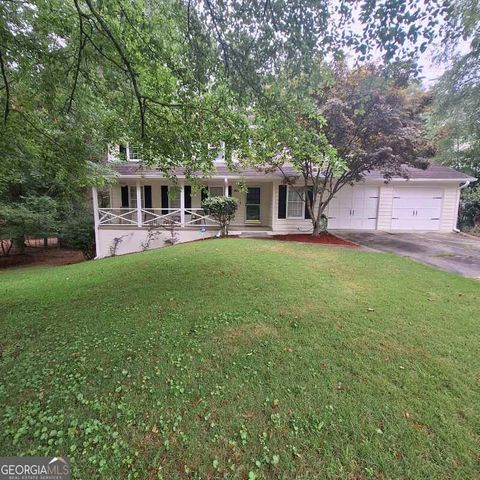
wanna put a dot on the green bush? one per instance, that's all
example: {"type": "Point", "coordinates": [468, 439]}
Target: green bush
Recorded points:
{"type": "Point", "coordinates": [78, 232]}
{"type": "Point", "coordinates": [222, 209]}
{"type": "Point", "coordinates": [469, 217]}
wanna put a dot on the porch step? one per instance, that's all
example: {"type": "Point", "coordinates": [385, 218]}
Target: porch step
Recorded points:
{"type": "Point", "coordinates": [259, 233]}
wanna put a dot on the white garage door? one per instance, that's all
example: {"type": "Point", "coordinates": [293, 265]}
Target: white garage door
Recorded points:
{"type": "Point", "coordinates": [417, 208]}
{"type": "Point", "coordinates": [355, 208]}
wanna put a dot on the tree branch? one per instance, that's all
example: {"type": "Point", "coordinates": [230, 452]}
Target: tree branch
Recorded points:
{"type": "Point", "coordinates": [126, 61]}
{"type": "Point", "coordinates": [7, 89]}
{"type": "Point", "coordinates": [81, 46]}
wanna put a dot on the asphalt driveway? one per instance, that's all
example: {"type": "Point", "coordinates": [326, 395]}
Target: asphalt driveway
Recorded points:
{"type": "Point", "coordinates": [449, 251]}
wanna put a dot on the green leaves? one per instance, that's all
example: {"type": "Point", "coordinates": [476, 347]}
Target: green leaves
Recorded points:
{"type": "Point", "coordinates": [221, 209]}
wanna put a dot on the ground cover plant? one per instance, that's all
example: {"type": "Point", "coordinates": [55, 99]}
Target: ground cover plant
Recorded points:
{"type": "Point", "coordinates": [243, 359]}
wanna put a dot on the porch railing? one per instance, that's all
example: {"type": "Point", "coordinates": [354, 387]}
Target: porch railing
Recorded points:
{"type": "Point", "coordinates": [155, 217]}
{"type": "Point", "coordinates": [117, 216]}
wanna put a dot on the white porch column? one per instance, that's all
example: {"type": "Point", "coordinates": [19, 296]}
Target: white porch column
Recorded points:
{"type": "Point", "coordinates": [96, 220]}
{"type": "Point", "coordinates": [273, 205]}
{"type": "Point", "coordinates": [139, 205]}
{"type": "Point", "coordinates": [226, 187]}
{"type": "Point", "coordinates": [182, 204]}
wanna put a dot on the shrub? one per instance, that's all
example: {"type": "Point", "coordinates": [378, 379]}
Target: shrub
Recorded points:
{"type": "Point", "coordinates": [77, 232]}
{"type": "Point", "coordinates": [469, 217]}
{"type": "Point", "coordinates": [221, 209]}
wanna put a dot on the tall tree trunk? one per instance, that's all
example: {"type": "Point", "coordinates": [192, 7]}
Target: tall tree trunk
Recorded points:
{"type": "Point", "coordinates": [19, 243]}
{"type": "Point", "coordinates": [317, 221]}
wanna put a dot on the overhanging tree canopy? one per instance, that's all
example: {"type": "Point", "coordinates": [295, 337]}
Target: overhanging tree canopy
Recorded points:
{"type": "Point", "coordinates": [336, 127]}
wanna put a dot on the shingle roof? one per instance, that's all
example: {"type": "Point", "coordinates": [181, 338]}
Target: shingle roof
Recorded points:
{"type": "Point", "coordinates": [432, 172]}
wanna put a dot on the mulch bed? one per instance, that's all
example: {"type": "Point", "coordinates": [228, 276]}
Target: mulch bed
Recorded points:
{"type": "Point", "coordinates": [323, 238]}
{"type": "Point", "coordinates": [42, 256]}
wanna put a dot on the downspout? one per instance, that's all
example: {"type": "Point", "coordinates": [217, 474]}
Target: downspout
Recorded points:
{"type": "Point", "coordinates": [466, 184]}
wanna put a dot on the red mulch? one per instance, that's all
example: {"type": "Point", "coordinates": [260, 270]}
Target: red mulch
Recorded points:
{"type": "Point", "coordinates": [42, 256]}
{"type": "Point", "coordinates": [323, 238]}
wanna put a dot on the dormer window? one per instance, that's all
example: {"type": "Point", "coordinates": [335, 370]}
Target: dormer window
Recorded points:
{"type": "Point", "coordinates": [131, 152]}
{"type": "Point", "coordinates": [134, 153]}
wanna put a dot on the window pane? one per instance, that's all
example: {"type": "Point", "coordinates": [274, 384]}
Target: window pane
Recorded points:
{"type": "Point", "coordinates": [135, 152]}
{"type": "Point", "coordinates": [133, 197]}
{"type": "Point", "coordinates": [253, 196]}
{"type": "Point", "coordinates": [253, 212]}
{"type": "Point", "coordinates": [295, 209]}
{"type": "Point", "coordinates": [216, 191]}
{"type": "Point", "coordinates": [173, 198]}
{"type": "Point", "coordinates": [295, 204]}
{"type": "Point", "coordinates": [294, 195]}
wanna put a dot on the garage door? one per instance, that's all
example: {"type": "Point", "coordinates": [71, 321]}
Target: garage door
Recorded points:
{"type": "Point", "coordinates": [417, 208]}
{"type": "Point", "coordinates": [355, 208]}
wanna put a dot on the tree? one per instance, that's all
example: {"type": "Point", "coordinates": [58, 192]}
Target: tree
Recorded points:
{"type": "Point", "coordinates": [221, 209]}
{"type": "Point", "coordinates": [174, 76]}
{"type": "Point", "coordinates": [77, 232]}
{"type": "Point", "coordinates": [455, 120]}
{"type": "Point", "coordinates": [32, 216]}
{"type": "Point", "coordinates": [169, 74]}
{"type": "Point", "coordinates": [334, 129]}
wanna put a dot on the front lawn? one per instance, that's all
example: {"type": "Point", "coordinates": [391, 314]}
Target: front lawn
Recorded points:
{"type": "Point", "coordinates": [243, 359]}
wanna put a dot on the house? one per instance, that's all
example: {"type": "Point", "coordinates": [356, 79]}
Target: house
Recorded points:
{"type": "Point", "coordinates": [144, 200]}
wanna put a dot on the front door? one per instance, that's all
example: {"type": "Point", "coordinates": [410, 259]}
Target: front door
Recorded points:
{"type": "Point", "coordinates": [252, 205]}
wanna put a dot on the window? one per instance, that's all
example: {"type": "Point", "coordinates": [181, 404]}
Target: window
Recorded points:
{"type": "Point", "coordinates": [295, 203]}
{"type": "Point", "coordinates": [104, 198]}
{"type": "Point", "coordinates": [252, 204]}
{"type": "Point", "coordinates": [134, 153]}
{"type": "Point", "coordinates": [216, 191]}
{"type": "Point", "coordinates": [133, 197]}
{"type": "Point", "coordinates": [173, 197]}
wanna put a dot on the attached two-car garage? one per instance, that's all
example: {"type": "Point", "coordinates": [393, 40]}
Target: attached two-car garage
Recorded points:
{"type": "Point", "coordinates": [406, 208]}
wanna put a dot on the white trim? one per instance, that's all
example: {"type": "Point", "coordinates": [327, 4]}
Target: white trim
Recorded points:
{"type": "Point", "coordinates": [127, 153]}
{"type": "Point", "coordinates": [273, 206]}
{"type": "Point", "coordinates": [139, 203]}
{"type": "Point", "coordinates": [96, 221]}
{"type": "Point", "coordinates": [267, 177]}
{"type": "Point", "coordinates": [182, 204]}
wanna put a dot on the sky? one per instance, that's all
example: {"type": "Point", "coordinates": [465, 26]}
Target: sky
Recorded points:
{"type": "Point", "coordinates": [432, 69]}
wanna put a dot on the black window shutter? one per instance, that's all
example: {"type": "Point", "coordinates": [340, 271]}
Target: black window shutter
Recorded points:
{"type": "Point", "coordinates": [229, 190]}
{"type": "Point", "coordinates": [310, 196]}
{"type": "Point", "coordinates": [188, 196]}
{"type": "Point", "coordinates": [147, 194]}
{"type": "Point", "coordinates": [125, 197]}
{"type": "Point", "coordinates": [282, 201]}
{"type": "Point", "coordinates": [123, 152]}
{"type": "Point", "coordinates": [204, 193]}
{"type": "Point", "coordinates": [164, 199]}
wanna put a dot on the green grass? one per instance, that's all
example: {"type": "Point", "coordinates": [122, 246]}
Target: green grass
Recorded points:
{"type": "Point", "coordinates": [243, 359]}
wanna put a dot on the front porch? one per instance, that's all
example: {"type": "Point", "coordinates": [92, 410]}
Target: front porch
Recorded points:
{"type": "Point", "coordinates": [137, 214]}
{"type": "Point", "coordinates": [151, 204]}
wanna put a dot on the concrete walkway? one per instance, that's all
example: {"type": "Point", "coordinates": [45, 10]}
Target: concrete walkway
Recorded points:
{"type": "Point", "coordinates": [452, 252]}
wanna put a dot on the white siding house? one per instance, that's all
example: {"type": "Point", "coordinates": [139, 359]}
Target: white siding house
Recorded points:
{"type": "Point", "coordinates": [144, 200]}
